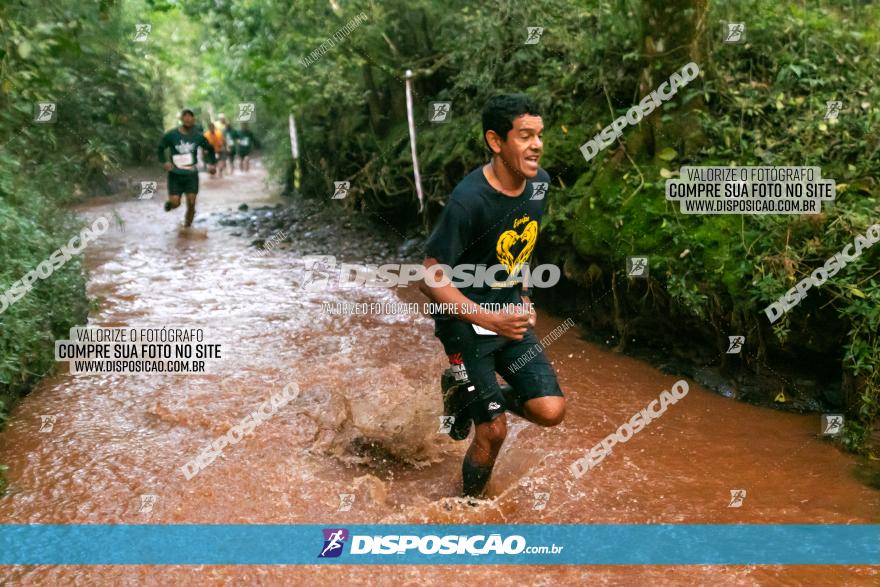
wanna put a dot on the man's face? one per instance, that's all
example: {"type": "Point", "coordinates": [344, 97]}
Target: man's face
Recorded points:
{"type": "Point", "coordinates": [522, 150]}
{"type": "Point", "coordinates": [188, 120]}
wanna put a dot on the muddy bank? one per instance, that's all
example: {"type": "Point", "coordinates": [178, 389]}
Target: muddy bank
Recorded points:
{"type": "Point", "coordinates": [638, 317]}
{"type": "Point", "coordinates": [310, 227]}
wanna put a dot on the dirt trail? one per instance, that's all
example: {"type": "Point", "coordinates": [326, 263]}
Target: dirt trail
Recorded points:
{"type": "Point", "coordinates": [366, 424]}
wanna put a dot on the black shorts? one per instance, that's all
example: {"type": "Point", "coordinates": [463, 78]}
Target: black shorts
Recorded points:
{"type": "Point", "coordinates": [183, 183]}
{"type": "Point", "coordinates": [521, 363]}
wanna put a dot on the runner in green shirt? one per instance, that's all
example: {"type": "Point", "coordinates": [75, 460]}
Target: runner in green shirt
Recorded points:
{"type": "Point", "coordinates": [246, 143]}
{"type": "Point", "coordinates": [183, 175]}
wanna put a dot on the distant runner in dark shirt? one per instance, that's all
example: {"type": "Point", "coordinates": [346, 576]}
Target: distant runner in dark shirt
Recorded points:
{"type": "Point", "coordinates": [183, 175]}
{"type": "Point", "coordinates": [231, 137]}
{"type": "Point", "coordinates": [246, 143]}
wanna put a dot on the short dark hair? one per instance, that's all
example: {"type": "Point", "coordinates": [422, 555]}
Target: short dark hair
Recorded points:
{"type": "Point", "coordinates": [186, 111]}
{"type": "Point", "coordinates": [500, 112]}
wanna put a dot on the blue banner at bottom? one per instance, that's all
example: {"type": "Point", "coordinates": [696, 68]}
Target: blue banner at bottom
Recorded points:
{"type": "Point", "coordinates": [606, 544]}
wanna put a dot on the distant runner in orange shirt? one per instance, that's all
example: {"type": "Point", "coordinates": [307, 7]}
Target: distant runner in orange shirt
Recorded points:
{"type": "Point", "coordinates": [215, 137]}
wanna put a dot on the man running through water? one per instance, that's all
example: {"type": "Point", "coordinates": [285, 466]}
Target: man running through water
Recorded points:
{"type": "Point", "coordinates": [183, 175]}
{"type": "Point", "coordinates": [492, 218]}
{"type": "Point", "coordinates": [246, 142]}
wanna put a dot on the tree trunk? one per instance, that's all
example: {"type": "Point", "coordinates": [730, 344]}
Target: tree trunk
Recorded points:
{"type": "Point", "coordinates": [673, 36]}
{"type": "Point", "coordinates": [372, 98]}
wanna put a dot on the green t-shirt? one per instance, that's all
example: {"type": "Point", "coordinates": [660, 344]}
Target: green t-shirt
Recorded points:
{"type": "Point", "coordinates": [245, 141]}
{"type": "Point", "coordinates": [230, 135]}
{"type": "Point", "coordinates": [183, 149]}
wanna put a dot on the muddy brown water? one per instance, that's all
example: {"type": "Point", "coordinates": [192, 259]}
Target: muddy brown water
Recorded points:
{"type": "Point", "coordinates": [365, 424]}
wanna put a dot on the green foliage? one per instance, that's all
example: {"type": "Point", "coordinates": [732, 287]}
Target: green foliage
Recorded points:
{"type": "Point", "coordinates": [764, 105]}
{"type": "Point", "coordinates": [81, 57]}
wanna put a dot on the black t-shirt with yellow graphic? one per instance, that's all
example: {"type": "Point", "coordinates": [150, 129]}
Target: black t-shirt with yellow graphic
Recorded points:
{"type": "Point", "coordinates": [483, 227]}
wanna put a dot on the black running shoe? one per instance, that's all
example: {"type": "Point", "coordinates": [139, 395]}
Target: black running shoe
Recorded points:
{"type": "Point", "coordinates": [453, 405]}
{"type": "Point", "coordinates": [168, 206]}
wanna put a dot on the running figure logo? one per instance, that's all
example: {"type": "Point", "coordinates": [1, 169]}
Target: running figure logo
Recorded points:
{"type": "Point", "coordinates": [832, 109]}
{"type": "Point", "coordinates": [44, 112]}
{"type": "Point", "coordinates": [148, 500]}
{"type": "Point", "coordinates": [637, 267]}
{"type": "Point", "coordinates": [735, 344]}
{"type": "Point", "coordinates": [440, 111]}
{"type": "Point", "coordinates": [541, 500]}
{"type": "Point", "coordinates": [247, 112]}
{"type": "Point", "coordinates": [148, 190]}
{"type": "Point", "coordinates": [832, 424]}
{"type": "Point", "coordinates": [539, 190]}
{"type": "Point", "coordinates": [446, 423]}
{"type": "Point", "coordinates": [346, 500]}
{"type": "Point", "coordinates": [334, 540]}
{"type": "Point", "coordinates": [141, 32]}
{"type": "Point", "coordinates": [534, 34]}
{"type": "Point", "coordinates": [47, 423]}
{"type": "Point", "coordinates": [736, 498]}
{"type": "Point", "coordinates": [318, 269]}
{"type": "Point", "coordinates": [735, 32]}
{"type": "Point", "coordinates": [342, 188]}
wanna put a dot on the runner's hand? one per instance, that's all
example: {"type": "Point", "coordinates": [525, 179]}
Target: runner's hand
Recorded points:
{"type": "Point", "coordinates": [511, 325]}
{"type": "Point", "coordinates": [168, 166]}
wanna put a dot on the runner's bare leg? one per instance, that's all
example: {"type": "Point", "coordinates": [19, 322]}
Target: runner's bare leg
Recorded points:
{"type": "Point", "coordinates": [190, 208]}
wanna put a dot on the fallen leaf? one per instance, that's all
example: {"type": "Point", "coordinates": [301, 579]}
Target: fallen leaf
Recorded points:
{"type": "Point", "coordinates": [667, 154]}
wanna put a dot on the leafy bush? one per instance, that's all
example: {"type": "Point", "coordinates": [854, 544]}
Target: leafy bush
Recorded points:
{"type": "Point", "coordinates": [80, 57]}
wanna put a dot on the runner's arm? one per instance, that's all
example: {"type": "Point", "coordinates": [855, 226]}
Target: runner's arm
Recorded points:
{"type": "Point", "coordinates": [507, 324]}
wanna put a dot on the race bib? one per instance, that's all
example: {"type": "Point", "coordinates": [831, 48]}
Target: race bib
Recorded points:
{"type": "Point", "coordinates": [483, 331]}
{"type": "Point", "coordinates": [244, 141]}
{"type": "Point", "coordinates": [182, 160]}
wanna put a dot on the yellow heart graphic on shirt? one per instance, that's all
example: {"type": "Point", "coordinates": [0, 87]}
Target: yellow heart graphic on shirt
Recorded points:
{"type": "Point", "coordinates": [508, 238]}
